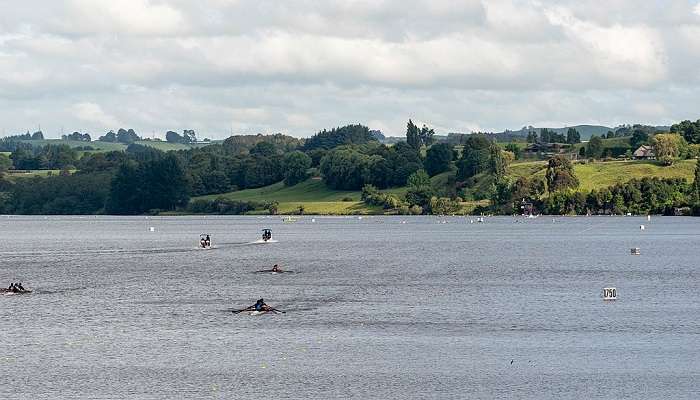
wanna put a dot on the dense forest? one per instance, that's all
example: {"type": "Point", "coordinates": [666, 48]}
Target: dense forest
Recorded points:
{"type": "Point", "coordinates": [142, 179]}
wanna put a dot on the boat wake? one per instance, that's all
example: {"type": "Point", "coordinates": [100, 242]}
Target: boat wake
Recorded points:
{"type": "Point", "coordinates": [107, 252]}
{"type": "Point", "coordinates": [260, 241]}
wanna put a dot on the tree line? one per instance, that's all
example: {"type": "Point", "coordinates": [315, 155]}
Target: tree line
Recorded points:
{"type": "Point", "coordinates": [142, 179]}
{"type": "Point", "coordinates": [557, 194]}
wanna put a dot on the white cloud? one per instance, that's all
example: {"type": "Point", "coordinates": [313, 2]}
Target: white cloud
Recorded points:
{"type": "Point", "coordinates": [141, 17]}
{"type": "Point", "coordinates": [299, 66]}
{"type": "Point", "coordinates": [630, 54]}
{"type": "Point", "coordinates": [91, 112]}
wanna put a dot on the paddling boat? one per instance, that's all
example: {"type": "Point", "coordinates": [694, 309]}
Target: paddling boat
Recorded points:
{"type": "Point", "coordinates": [269, 271]}
{"type": "Point", "coordinates": [8, 292]}
{"type": "Point", "coordinates": [260, 312]}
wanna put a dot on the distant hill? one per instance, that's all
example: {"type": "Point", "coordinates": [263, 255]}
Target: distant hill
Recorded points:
{"type": "Point", "coordinates": [586, 131]}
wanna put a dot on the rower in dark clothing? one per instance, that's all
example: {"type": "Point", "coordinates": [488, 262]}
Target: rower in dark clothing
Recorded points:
{"type": "Point", "coordinates": [19, 285]}
{"type": "Point", "coordinates": [259, 305]}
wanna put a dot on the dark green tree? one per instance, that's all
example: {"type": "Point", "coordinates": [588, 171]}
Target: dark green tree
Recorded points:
{"type": "Point", "coordinates": [515, 149]}
{"type": "Point", "coordinates": [475, 159]}
{"type": "Point", "coordinates": [346, 135]}
{"type": "Point", "coordinates": [426, 136]}
{"type": "Point", "coordinates": [345, 168]}
{"type": "Point", "coordinates": [413, 135]}
{"type": "Point", "coordinates": [573, 136]}
{"type": "Point", "coordinates": [108, 137]}
{"type": "Point", "coordinates": [172, 137]}
{"type": "Point", "coordinates": [594, 149]}
{"type": "Point", "coordinates": [438, 158]}
{"type": "Point", "coordinates": [531, 137]}
{"type": "Point", "coordinates": [264, 149]}
{"type": "Point", "coordinates": [639, 137]}
{"type": "Point", "coordinates": [295, 166]}
{"type": "Point", "coordinates": [695, 187]}
{"type": "Point", "coordinates": [127, 136]}
{"type": "Point", "coordinates": [560, 174]}
{"type": "Point", "coordinates": [689, 130]}
{"type": "Point", "coordinates": [497, 163]}
{"type": "Point", "coordinates": [125, 192]}
{"type": "Point", "coordinates": [420, 190]}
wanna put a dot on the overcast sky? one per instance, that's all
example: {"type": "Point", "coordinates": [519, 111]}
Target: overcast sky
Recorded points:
{"type": "Point", "coordinates": [265, 66]}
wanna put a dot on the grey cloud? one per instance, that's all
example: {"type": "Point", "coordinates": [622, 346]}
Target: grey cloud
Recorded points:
{"type": "Point", "coordinates": [300, 66]}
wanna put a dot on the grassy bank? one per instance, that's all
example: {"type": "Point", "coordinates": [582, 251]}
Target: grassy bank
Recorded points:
{"type": "Point", "coordinates": [317, 198]}
{"type": "Point", "coordinates": [600, 175]}
{"type": "Point", "coordinates": [98, 146]}
{"type": "Point", "coordinates": [15, 174]}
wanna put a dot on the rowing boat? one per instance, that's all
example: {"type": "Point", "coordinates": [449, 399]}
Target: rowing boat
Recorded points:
{"type": "Point", "coordinates": [8, 292]}
{"type": "Point", "coordinates": [269, 271]}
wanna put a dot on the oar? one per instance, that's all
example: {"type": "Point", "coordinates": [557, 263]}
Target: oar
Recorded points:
{"type": "Point", "coordinates": [276, 310]}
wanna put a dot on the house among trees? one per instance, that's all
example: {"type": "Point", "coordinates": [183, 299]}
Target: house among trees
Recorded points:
{"type": "Point", "coordinates": [645, 152]}
{"type": "Point", "coordinates": [545, 149]}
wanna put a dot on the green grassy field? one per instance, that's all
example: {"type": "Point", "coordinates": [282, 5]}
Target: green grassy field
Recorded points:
{"type": "Point", "coordinates": [109, 146]}
{"type": "Point", "coordinates": [98, 146]}
{"type": "Point", "coordinates": [32, 173]}
{"type": "Point", "coordinates": [311, 190]}
{"type": "Point", "coordinates": [604, 174]}
{"type": "Point", "coordinates": [317, 198]}
{"type": "Point", "coordinates": [599, 175]}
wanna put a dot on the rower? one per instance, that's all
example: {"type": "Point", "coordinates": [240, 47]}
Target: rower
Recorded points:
{"type": "Point", "coordinates": [260, 305]}
{"type": "Point", "coordinates": [12, 286]}
{"type": "Point", "coordinates": [19, 285]}
{"type": "Point", "coordinates": [204, 240]}
{"type": "Point", "coordinates": [275, 268]}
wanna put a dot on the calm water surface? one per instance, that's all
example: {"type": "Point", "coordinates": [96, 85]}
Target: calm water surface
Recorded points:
{"type": "Point", "coordinates": [376, 309]}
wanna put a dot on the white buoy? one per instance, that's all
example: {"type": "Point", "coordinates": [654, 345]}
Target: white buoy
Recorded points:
{"type": "Point", "coordinates": [152, 229]}
{"type": "Point", "coordinates": [609, 293]}
{"type": "Point", "coordinates": [641, 227]}
{"type": "Point", "coordinates": [313, 219]}
{"type": "Point", "coordinates": [648, 217]}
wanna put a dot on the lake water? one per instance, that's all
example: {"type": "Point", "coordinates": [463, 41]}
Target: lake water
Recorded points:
{"type": "Point", "coordinates": [377, 308]}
